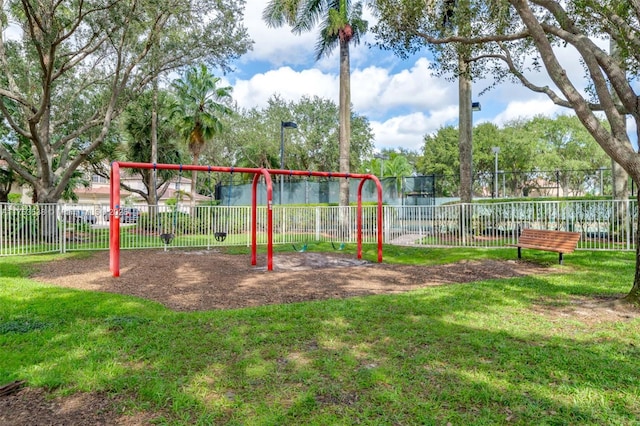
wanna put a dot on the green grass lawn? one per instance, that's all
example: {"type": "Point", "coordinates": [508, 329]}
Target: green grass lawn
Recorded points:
{"type": "Point", "coordinates": [483, 353]}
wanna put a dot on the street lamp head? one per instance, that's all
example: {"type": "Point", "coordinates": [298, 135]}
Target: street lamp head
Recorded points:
{"type": "Point", "coordinates": [495, 149]}
{"type": "Point", "coordinates": [288, 124]}
{"type": "Point", "coordinates": [475, 106]}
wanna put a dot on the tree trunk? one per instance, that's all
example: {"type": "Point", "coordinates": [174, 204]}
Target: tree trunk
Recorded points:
{"type": "Point", "coordinates": [153, 176]}
{"type": "Point", "coordinates": [619, 176]}
{"type": "Point", "coordinates": [465, 144]}
{"type": "Point", "coordinates": [634, 293]}
{"type": "Point", "coordinates": [465, 127]}
{"type": "Point", "coordinates": [620, 182]}
{"type": "Point", "coordinates": [344, 137]}
{"type": "Point", "coordinates": [152, 196]}
{"type": "Point", "coordinates": [48, 222]}
{"type": "Point", "coordinates": [345, 120]}
{"type": "Point", "coordinates": [194, 181]}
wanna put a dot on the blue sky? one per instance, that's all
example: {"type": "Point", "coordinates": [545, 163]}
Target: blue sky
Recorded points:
{"type": "Point", "coordinates": [401, 99]}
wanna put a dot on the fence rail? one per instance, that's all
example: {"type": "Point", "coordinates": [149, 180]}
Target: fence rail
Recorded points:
{"type": "Point", "coordinates": [31, 229]}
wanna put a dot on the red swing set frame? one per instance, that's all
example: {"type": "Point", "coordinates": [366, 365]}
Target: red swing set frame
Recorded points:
{"type": "Point", "coordinates": [114, 225]}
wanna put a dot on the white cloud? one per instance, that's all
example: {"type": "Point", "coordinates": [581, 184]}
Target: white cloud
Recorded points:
{"type": "Point", "coordinates": [417, 88]}
{"type": "Point", "coordinates": [12, 32]}
{"type": "Point", "coordinates": [527, 109]}
{"type": "Point", "coordinates": [408, 131]}
{"type": "Point", "coordinates": [289, 84]}
{"type": "Point", "coordinates": [374, 90]}
{"type": "Point", "coordinates": [277, 46]}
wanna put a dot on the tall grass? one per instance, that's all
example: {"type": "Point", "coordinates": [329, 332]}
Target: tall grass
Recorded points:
{"type": "Point", "coordinates": [492, 352]}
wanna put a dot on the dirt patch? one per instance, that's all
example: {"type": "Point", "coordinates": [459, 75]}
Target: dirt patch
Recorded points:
{"type": "Point", "coordinates": [32, 407]}
{"type": "Point", "coordinates": [589, 310]}
{"type": "Point", "coordinates": [204, 280]}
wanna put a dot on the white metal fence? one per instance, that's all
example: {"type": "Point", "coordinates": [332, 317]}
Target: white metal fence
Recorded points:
{"type": "Point", "coordinates": [30, 229]}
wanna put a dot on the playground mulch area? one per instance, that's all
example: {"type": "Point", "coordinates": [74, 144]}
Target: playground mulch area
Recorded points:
{"type": "Point", "coordinates": [198, 280]}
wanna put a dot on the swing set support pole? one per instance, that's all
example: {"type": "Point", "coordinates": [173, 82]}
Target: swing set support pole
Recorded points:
{"type": "Point", "coordinates": [379, 215]}
{"type": "Point", "coordinates": [114, 220]}
{"type": "Point", "coordinates": [254, 218]}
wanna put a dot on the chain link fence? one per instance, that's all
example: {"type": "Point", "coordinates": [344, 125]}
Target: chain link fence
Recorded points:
{"type": "Point", "coordinates": [414, 190]}
{"type": "Point", "coordinates": [533, 183]}
{"type": "Point", "coordinates": [431, 189]}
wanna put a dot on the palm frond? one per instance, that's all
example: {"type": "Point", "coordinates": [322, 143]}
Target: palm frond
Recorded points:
{"type": "Point", "coordinates": [325, 44]}
{"type": "Point", "coordinates": [277, 13]}
{"type": "Point", "coordinates": [310, 12]}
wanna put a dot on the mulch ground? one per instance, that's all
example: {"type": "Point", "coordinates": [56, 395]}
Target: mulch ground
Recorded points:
{"type": "Point", "coordinates": [204, 280]}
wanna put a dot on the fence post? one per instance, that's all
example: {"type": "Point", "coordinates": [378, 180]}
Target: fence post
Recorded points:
{"type": "Point", "coordinates": [463, 228]}
{"type": "Point", "coordinates": [63, 225]}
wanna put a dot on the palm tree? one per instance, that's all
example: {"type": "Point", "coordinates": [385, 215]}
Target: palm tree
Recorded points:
{"type": "Point", "coordinates": [198, 111]}
{"type": "Point", "coordinates": [399, 167]}
{"type": "Point", "coordinates": [341, 24]}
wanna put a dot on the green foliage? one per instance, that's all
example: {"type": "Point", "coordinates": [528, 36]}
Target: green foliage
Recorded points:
{"type": "Point", "coordinates": [440, 156]}
{"type": "Point", "coordinates": [7, 177]}
{"type": "Point", "coordinates": [14, 198]}
{"type": "Point", "coordinates": [253, 139]}
{"type": "Point", "coordinates": [67, 79]}
{"type": "Point", "coordinates": [22, 325]}
{"type": "Point", "coordinates": [136, 124]}
{"type": "Point", "coordinates": [530, 152]}
{"type": "Point", "coordinates": [199, 107]}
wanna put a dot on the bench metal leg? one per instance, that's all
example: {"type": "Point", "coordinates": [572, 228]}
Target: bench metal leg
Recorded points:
{"type": "Point", "coordinates": [560, 258]}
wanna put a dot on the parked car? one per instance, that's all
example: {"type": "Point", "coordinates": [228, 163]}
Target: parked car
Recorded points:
{"type": "Point", "coordinates": [79, 216]}
{"type": "Point", "coordinates": [127, 215]}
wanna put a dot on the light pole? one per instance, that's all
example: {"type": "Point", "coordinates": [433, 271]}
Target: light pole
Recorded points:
{"type": "Point", "coordinates": [288, 125]}
{"type": "Point", "coordinates": [495, 150]}
{"type": "Point", "coordinates": [381, 157]}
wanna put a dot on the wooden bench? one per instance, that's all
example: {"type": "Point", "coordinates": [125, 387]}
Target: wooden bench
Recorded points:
{"type": "Point", "coordinates": [560, 242]}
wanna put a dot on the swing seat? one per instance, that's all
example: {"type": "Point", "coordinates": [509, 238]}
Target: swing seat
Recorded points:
{"type": "Point", "coordinates": [340, 247]}
{"type": "Point", "coordinates": [302, 249]}
{"type": "Point", "coordinates": [167, 238]}
{"type": "Point", "coordinates": [220, 236]}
